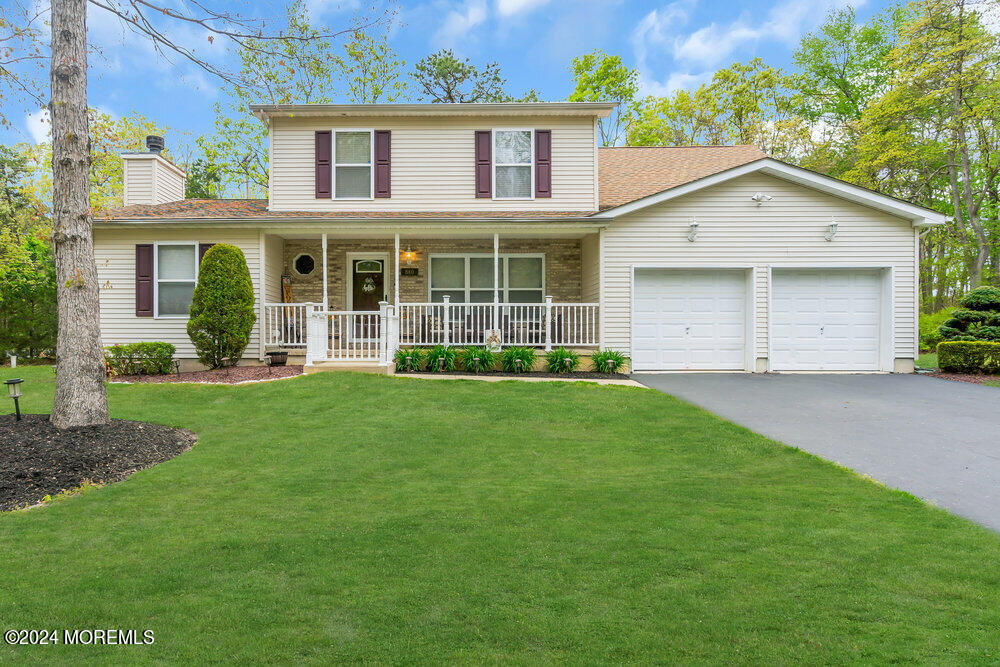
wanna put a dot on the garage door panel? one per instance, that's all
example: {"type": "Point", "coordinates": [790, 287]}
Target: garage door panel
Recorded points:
{"type": "Point", "coordinates": [696, 320]}
{"type": "Point", "coordinates": [825, 319]}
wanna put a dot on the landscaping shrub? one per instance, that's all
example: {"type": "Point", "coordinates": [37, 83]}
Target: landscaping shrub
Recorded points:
{"type": "Point", "coordinates": [969, 357]}
{"type": "Point", "coordinates": [977, 319]}
{"type": "Point", "coordinates": [930, 323]}
{"type": "Point", "coordinates": [222, 311]}
{"type": "Point", "coordinates": [409, 360]}
{"type": "Point", "coordinates": [140, 358]}
{"type": "Point", "coordinates": [510, 357]}
{"type": "Point", "coordinates": [441, 358]}
{"type": "Point", "coordinates": [561, 360]}
{"type": "Point", "coordinates": [477, 359]}
{"type": "Point", "coordinates": [608, 361]}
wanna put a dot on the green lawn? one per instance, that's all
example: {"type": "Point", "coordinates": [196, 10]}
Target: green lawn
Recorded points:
{"type": "Point", "coordinates": [343, 517]}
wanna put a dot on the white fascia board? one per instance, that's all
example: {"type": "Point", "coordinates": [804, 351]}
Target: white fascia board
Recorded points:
{"type": "Point", "coordinates": [918, 215]}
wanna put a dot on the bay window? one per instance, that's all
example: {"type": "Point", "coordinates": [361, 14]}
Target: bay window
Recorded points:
{"type": "Point", "coordinates": [469, 278]}
{"type": "Point", "coordinates": [176, 276]}
{"type": "Point", "coordinates": [352, 164]}
{"type": "Point", "coordinates": [513, 153]}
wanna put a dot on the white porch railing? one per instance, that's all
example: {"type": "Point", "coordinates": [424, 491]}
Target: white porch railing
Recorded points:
{"type": "Point", "coordinates": [529, 324]}
{"type": "Point", "coordinates": [285, 323]}
{"type": "Point", "coordinates": [338, 335]}
{"type": "Point", "coordinates": [347, 335]}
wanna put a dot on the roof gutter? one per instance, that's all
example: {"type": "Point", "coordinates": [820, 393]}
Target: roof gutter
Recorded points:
{"type": "Point", "coordinates": [598, 109]}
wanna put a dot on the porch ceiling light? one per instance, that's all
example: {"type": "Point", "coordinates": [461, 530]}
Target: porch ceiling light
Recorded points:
{"type": "Point", "coordinates": [693, 231]}
{"type": "Point", "coordinates": [832, 234]}
{"type": "Point", "coordinates": [14, 391]}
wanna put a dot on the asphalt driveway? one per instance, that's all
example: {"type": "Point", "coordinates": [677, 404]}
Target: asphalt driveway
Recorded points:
{"type": "Point", "coordinates": [937, 439]}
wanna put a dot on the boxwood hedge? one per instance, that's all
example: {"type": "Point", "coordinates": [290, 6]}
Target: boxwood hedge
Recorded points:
{"type": "Point", "coordinates": [969, 357]}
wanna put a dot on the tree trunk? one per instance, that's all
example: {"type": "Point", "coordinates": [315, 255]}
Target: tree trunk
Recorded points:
{"type": "Point", "coordinates": [81, 397]}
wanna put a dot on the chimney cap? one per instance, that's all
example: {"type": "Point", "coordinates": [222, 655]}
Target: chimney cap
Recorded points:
{"type": "Point", "coordinates": [154, 143]}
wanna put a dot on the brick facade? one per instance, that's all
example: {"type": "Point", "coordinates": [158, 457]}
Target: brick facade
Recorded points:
{"type": "Point", "coordinates": [562, 265]}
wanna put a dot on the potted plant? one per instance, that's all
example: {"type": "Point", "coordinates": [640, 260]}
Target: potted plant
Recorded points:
{"type": "Point", "coordinates": [277, 358]}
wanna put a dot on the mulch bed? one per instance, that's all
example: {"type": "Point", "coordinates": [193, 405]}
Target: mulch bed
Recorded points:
{"type": "Point", "coordinates": [37, 459]}
{"type": "Point", "coordinates": [581, 375]}
{"type": "Point", "coordinates": [964, 377]}
{"type": "Point", "coordinates": [221, 376]}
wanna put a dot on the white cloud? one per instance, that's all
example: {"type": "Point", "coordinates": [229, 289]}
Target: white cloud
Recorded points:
{"type": "Point", "coordinates": [460, 21]}
{"type": "Point", "coordinates": [674, 82]}
{"type": "Point", "coordinates": [38, 126]}
{"type": "Point", "coordinates": [656, 28]}
{"type": "Point", "coordinates": [710, 45]}
{"type": "Point", "coordinates": [512, 7]}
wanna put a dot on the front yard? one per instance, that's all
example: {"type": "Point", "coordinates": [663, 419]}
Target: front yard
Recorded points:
{"type": "Point", "coordinates": [343, 517]}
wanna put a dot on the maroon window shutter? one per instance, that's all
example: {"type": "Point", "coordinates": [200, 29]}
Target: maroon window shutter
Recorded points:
{"type": "Point", "coordinates": [383, 163]}
{"type": "Point", "coordinates": [484, 164]}
{"type": "Point", "coordinates": [144, 280]}
{"type": "Point", "coordinates": [543, 163]}
{"type": "Point", "coordinates": [202, 249]}
{"type": "Point", "coordinates": [324, 151]}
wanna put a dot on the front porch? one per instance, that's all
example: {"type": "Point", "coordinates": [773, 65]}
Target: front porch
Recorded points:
{"type": "Point", "coordinates": [358, 299]}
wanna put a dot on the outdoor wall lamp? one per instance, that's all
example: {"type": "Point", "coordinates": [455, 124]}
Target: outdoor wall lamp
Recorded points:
{"type": "Point", "coordinates": [693, 231]}
{"type": "Point", "coordinates": [832, 234]}
{"type": "Point", "coordinates": [409, 256]}
{"type": "Point", "coordinates": [14, 391]}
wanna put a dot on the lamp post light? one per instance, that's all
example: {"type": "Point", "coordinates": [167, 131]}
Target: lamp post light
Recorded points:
{"type": "Point", "coordinates": [14, 391]}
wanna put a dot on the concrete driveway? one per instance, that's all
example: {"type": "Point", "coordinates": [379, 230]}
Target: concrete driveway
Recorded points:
{"type": "Point", "coordinates": [937, 439]}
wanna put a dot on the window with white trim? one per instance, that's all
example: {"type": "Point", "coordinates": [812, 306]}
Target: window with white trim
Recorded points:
{"type": "Point", "coordinates": [352, 164]}
{"type": "Point", "coordinates": [176, 277]}
{"type": "Point", "coordinates": [513, 164]}
{"type": "Point", "coordinates": [469, 278]}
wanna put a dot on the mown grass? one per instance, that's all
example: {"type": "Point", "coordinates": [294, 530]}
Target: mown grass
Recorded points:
{"type": "Point", "coordinates": [343, 517]}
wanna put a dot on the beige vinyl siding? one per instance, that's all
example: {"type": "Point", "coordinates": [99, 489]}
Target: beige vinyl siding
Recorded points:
{"type": "Point", "coordinates": [590, 278]}
{"type": "Point", "coordinates": [115, 253]}
{"type": "Point", "coordinates": [168, 185]}
{"type": "Point", "coordinates": [733, 231]}
{"type": "Point", "coordinates": [138, 179]}
{"type": "Point", "coordinates": [274, 248]}
{"type": "Point", "coordinates": [149, 179]}
{"type": "Point", "coordinates": [432, 164]}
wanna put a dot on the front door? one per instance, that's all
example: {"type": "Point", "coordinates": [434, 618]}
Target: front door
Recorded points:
{"type": "Point", "coordinates": [368, 283]}
{"type": "Point", "coordinates": [367, 289]}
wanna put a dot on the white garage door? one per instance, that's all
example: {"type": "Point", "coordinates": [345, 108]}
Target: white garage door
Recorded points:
{"type": "Point", "coordinates": [825, 320]}
{"type": "Point", "coordinates": [689, 320]}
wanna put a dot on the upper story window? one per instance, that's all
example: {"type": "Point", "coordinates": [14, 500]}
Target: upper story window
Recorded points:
{"type": "Point", "coordinates": [513, 164]}
{"type": "Point", "coordinates": [352, 164]}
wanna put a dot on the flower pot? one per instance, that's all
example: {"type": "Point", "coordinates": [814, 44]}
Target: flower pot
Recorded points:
{"type": "Point", "coordinates": [277, 358]}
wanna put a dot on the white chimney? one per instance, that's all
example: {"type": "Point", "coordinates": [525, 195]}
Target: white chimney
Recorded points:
{"type": "Point", "coordinates": [150, 178]}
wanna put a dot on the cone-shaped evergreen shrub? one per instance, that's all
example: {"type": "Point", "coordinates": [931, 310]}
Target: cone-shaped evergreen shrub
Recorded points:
{"type": "Point", "coordinates": [222, 311]}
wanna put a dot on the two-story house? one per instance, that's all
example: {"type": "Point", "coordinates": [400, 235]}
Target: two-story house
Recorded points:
{"type": "Point", "coordinates": [418, 224]}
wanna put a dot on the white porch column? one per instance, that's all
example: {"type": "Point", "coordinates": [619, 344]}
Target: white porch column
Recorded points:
{"type": "Point", "coordinates": [496, 268]}
{"type": "Point", "coordinates": [326, 296]}
{"type": "Point", "coordinates": [395, 281]}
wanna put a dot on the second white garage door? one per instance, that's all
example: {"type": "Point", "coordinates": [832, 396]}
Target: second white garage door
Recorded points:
{"type": "Point", "coordinates": [825, 320]}
{"type": "Point", "coordinates": [689, 320]}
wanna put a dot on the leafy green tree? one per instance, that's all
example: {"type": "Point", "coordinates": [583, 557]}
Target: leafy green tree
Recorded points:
{"type": "Point", "coordinates": [933, 137]}
{"type": "Point", "coordinates": [374, 72]}
{"type": "Point", "coordinates": [27, 295]}
{"type": "Point", "coordinates": [685, 119]}
{"type": "Point", "coordinates": [599, 77]}
{"type": "Point", "coordinates": [222, 310]}
{"type": "Point", "coordinates": [204, 180]}
{"type": "Point", "coordinates": [441, 77]}
{"type": "Point", "coordinates": [21, 213]}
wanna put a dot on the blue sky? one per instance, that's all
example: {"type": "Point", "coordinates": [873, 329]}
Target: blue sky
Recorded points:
{"type": "Point", "coordinates": [673, 44]}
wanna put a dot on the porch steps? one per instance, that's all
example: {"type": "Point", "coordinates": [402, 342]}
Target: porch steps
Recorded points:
{"type": "Point", "coordinates": [353, 366]}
